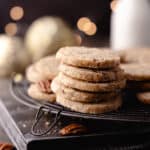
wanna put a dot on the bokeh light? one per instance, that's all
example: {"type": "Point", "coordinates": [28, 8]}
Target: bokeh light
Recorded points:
{"type": "Point", "coordinates": [91, 29]}
{"type": "Point", "coordinates": [113, 4]}
{"type": "Point", "coordinates": [81, 22]}
{"type": "Point", "coordinates": [16, 13]}
{"type": "Point", "coordinates": [11, 29]}
{"type": "Point", "coordinates": [85, 25]}
{"type": "Point", "coordinates": [17, 77]}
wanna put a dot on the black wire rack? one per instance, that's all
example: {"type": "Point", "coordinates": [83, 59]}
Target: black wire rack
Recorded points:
{"type": "Point", "coordinates": [131, 111]}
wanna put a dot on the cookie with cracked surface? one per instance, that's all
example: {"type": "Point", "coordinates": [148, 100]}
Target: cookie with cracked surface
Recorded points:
{"type": "Point", "coordinates": [80, 96]}
{"type": "Point", "coordinates": [32, 75]}
{"type": "Point", "coordinates": [48, 66]}
{"type": "Point", "coordinates": [90, 86]}
{"type": "Point", "coordinates": [44, 69]}
{"type": "Point", "coordinates": [35, 92]}
{"type": "Point", "coordinates": [96, 108]}
{"type": "Point", "coordinates": [88, 57]}
{"type": "Point", "coordinates": [92, 75]}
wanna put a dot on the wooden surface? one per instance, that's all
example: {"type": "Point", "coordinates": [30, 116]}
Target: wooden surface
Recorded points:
{"type": "Point", "coordinates": [3, 95]}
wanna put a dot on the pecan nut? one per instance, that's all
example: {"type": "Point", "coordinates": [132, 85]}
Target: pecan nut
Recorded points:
{"type": "Point", "coordinates": [6, 146]}
{"type": "Point", "coordinates": [45, 86]}
{"type": "Point", "coordinates": [73, 129]}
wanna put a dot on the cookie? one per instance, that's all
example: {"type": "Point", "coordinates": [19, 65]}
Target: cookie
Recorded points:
{"type": "Point", "coordinates": [90, 108]}
{"type": "Point", "coordinates": [35, 92]}
{"type": "Point", "coordinates": [92, 75]}
{"type": "Point", "coordinates": [89, 86]}
{"type": "Point", "coordinates": [134, 55]}
{"type": "Point", "coordinates": [44, 69]}
{"type": "Point", "coordinates": [128, 56]}
{"type": "Point", "coordinates": [144, 97]}
{"type": "Point", "coordinates": [136, 72]}
{"type": "Point", "coordinates": [48, 66]}
{"type": "Point", "coordinates": [80, 96]}
{"type": "Point", "coordinates": [88, 57]}
{"type": "Point", "coordinates": [32, 75]}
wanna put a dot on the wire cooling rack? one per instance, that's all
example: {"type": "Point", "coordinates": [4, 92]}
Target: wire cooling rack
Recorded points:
{"type": "Point", "coordinates": [131, 111]}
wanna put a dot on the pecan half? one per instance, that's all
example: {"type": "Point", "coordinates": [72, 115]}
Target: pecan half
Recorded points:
{"type": "Point", "coordinates": [45, 86]}
{"type": "Point", "coordinates": [6, 146]}
{"type": "Point", "coordinates": [73, 129]}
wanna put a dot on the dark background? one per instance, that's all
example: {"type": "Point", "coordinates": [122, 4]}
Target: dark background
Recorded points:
{"type": "Point", "coordinates": [70, 10]}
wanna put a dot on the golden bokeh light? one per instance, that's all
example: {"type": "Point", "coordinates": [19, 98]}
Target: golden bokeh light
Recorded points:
{"type": "Point", "coordinates": [11, 29]}
{"type": "Point", "coordinates": [16, 13]}
{"type": "Point", "coordinates": [113, 4]}
{"type": "Point", "coordinates": [91, 29]}
{"type": "Point", "coordinates": [87, 26]}
{"type": "Point", "coordinates": [81, 22]}
{"type": "Point", "coordinates": [18, 77]}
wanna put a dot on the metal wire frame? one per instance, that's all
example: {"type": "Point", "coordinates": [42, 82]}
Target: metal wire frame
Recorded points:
{"type": "Point", "coordinates": [135, 113]}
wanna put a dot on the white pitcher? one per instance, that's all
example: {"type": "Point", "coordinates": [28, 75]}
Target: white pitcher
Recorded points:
{"type": "Point", "coordinates": [130, 25]}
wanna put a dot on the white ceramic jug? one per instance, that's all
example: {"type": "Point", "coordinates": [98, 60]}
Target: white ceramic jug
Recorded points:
{"type": "Point", "coordinates": [130, 25]}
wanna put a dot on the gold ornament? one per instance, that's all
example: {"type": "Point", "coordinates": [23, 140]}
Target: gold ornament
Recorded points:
{"type": "Point", "coordinates": [46, 35]}
{"type": "Point", "coordinates": [13, 57]}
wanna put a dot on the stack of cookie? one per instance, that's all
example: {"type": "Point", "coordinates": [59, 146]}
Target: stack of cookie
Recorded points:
{"type": "Point", "coordinates": [138, 80]}
{"type": "Point", "coordinates": [89, 80]}
{"type": "Point", "coordinates": [40, 74]}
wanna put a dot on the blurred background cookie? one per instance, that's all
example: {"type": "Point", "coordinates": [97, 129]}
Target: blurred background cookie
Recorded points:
{"type": "Point", "coordinates": [41, 74]}
{"type": "Point", "coordinates": [44, 69]}
{"type": "Point", "coordinates": [144, 97]}
{"type": "Point", "coordinates": [35, 92]}
{"type": "Point", "coordinates": [136, 72]}
{"type": "Point", "coordinates": [134, 55]}
{"type": "Point", "coordinates": [138, 80]}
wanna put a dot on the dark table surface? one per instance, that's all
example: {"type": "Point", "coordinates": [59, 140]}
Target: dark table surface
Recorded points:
{"type": "Point", "coordinates": [4, 94]}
